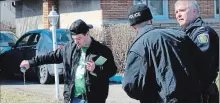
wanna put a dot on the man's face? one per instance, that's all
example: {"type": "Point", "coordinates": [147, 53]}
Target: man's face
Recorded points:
{"type": "Point", "coordinates": [184, 14]}
{"type": "Point", "coordinates": [80, 40]}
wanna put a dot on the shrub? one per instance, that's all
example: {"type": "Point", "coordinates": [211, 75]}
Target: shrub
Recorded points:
{"type": "Point", "coordinates": [118, 37]}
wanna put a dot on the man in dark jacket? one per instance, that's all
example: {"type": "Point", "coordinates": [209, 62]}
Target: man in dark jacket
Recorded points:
{"type": "Point", "coordinates": [88, 66]}
{"type": "Point", "coordinates": [159, 65]}
{"type": "Point", "coordinates": [188, 16]}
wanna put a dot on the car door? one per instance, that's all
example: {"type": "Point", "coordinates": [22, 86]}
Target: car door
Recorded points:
{"type": "Point", "coordinates": [12, 59]}
{"type": "Point", "coordinates": [30, 49]}
{"type": "Point", "coordinates": [24, 47]}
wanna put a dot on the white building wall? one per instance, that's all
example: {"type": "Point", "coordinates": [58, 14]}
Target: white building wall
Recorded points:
{"type": "Point", "coordinates": [28, 16]}
{"type": "Point", "coordinates": [7, 14]}
{"type": "Point", "coordinates": [90, 17]}
{"type": "Point", "coordinates": [87, 10]}
{"type": "Point", "coordinates": [28, 23]}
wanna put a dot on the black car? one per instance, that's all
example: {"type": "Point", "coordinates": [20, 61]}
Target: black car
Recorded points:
{"type": "Point", "coordinates": [6, 38]}
{"type": "Point", "coordinates": [31, 44]}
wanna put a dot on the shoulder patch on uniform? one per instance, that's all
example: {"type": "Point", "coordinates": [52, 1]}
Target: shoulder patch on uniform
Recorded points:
{"type": "Point", "coordinates": [203, 38]}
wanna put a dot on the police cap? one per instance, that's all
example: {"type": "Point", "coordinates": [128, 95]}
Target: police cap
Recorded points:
{"type": "Point", "coordinates": [139, 13]}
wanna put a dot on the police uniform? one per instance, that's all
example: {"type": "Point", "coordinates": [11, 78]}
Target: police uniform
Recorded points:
{"type": "Point", "coordinates": [207, 41]}
{"type": "Point", "coordinates": [160, 64]}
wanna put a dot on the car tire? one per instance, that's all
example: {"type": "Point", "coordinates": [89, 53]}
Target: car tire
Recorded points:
{"type": "Point", "coordinates": [44, 76]}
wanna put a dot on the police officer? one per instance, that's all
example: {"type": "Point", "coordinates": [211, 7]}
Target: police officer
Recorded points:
{"type": "Point", "coordinates": [160, 66]}
{"type": "Point", "coordinates": [188, 16]}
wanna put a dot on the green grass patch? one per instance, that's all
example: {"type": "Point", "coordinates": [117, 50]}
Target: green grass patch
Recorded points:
{"type": "Point", "coordinates": [19, 96]}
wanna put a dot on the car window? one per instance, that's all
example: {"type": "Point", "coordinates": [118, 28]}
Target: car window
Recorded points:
{"type": "Point", "coordinates": [33, 40]}
{"type": "Point", "coordinates": [7, 37]}
{"type": "Point", "coordinates": [63, 36]}
{"type": "Point", "coordinates": [30, 39]}
{"type": "Point", "coordinates": [37, 38]}
{"type": "Point", "coordinates": [23, 41]}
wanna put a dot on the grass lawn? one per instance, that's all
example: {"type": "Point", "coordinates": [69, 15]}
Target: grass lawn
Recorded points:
{"type": "Point", "coordinates": [19, 96]}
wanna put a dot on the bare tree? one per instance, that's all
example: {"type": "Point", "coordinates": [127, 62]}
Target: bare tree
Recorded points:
{"type": "Point", "coordinates": [122, 37]}
{"type": "Point", "coordinates": [6, 26]}
{"type": "Point", "coordinates": [118, 37]}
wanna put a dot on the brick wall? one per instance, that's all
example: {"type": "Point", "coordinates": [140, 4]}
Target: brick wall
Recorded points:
{"type": "Point", "coordinates": [115, 9]}
{"type": "Point", "coordinates": [47, 7]}
{"type": "Point", "coordinates": [206, 8]}
{"type": "Point", "coordinates": [171, 8]}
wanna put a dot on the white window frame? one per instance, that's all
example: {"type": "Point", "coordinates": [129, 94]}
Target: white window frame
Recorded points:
{"type": "Point", "coordinates": [216, 15]}
{"type": "Point", "coordinates": [165, 16]}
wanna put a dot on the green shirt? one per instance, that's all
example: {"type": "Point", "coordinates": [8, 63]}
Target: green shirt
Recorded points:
{"type": "Point", "coordinates": [80, 87]}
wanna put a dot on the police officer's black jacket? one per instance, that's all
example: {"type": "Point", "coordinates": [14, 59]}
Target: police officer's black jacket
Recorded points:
{"type": "Point", "coordinates": [160, 67]}
{"type": "Point", "coordinates": [208, 41]}
{"type": "Point", "coordinates": [97, 83]}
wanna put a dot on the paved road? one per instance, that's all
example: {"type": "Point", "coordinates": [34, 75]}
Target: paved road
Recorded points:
{"type": "Point", "coordinates": [116, 94]}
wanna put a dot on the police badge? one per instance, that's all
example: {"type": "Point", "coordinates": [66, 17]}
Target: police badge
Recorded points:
{"type": "Point", "coordinates": [203, 38]}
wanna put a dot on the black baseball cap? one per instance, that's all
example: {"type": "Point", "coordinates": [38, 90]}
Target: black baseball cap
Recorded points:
{"type": "Point", "coordinates": [79, 27]}
{"type": "Point", "coordinates": [139, 13]}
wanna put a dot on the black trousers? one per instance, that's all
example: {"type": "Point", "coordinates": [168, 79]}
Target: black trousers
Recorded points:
{"type": "Point", "coordinates": [96, 100]}
{"type": "Point", "coordinates": [212, 95]}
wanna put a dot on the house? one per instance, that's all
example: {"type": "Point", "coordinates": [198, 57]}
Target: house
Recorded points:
{"type": "Point", "coordinates": [7, 16]}
{"type": "Point", "coordinates": [33, 14]}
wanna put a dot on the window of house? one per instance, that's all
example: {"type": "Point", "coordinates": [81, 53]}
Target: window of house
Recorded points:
{"type": "Point", "coordinates": [217, 8]}
{"type": "Point", "coordinates": [159, 8]}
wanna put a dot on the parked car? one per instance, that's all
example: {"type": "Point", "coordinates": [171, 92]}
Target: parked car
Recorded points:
{"type": "Point", "coordinates": [31, 44]}
{"type": "Point", "coordinates": [6, 38]}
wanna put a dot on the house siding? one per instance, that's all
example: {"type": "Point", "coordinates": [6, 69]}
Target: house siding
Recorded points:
{"type": "Point", "coordinates": [7, 15]}
{"type": "Point", "coordinates": [117, 9]}
{"type": "Point", "coordinates": [94, 12]}
{"type": "Point", "coordinates": [28, 16]}
{"type": "Point", "coordinates": [88, 10]}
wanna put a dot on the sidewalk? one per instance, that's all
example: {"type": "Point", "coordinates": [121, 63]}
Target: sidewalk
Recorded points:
{"type": "Point", "coordinates": [118, 95]}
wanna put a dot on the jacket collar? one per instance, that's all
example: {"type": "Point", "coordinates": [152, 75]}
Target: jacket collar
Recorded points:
{"type": "Point", "coordinates": [141, 32]}
{"type": "Point", "coordinates": [197, 23]}
{"type": "Point", "coordinates": [144, 29]}
{"type": "Point", "coordinates": [92, 45]}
